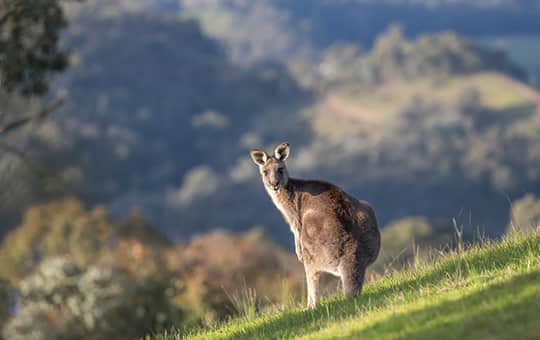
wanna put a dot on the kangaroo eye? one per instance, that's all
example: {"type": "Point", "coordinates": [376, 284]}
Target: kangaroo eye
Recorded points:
{"type": "Point", "coordinates": [280, 170]}
{"type": "Point", "coordinates": [265, 172]}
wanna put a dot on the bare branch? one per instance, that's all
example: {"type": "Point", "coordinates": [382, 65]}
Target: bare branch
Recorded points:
{"type": "Point", "coordinates": [21, 122]}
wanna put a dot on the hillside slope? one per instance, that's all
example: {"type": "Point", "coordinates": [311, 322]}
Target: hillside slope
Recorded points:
{"type": "Point", "coordinates": [488, 291]}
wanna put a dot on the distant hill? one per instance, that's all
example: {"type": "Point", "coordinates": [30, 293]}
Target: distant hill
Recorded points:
{"type": "Point", "coordinates": [260, 30]}
{"type": "Point", "coordinates": [159, 117]}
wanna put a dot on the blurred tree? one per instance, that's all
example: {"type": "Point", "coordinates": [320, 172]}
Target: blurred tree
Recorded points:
{"type": "Point", "coordinates": [220, 265]}
{"type": "Point", "coordinates": [29, 53]}
{"type": "Point", "coordinates": [461, 139]}
{"type": "Point", "coordinates": [525, 214]}
{"type": "Point", "coordinates": [6, 302]}
{"type": "Point", "coordinates": [66, 227]}
{"type": "Point", "coordinates": [29, 44]}
{"type": "Point", "coordinates": [339, 62]}
{"type": "Point", "coordinates": [394, 58]}
{"type": "Point", "coordinates": [61, 300]}
{"type": "Point", "coordinates": [60, 244]}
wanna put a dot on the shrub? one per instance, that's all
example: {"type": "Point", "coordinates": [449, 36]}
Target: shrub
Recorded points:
{"type": "Point", "coordinates": [61, 300]}
{"type": "Point", "coordinates": [402, 239]}
{"type": "Point", "coordinates": [525, 214]}
{"type": "Point", "coordinates": [66, 227]}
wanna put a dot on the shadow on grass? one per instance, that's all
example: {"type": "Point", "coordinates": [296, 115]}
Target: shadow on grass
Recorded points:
{"type": "Point", "coordinates": [297, 322]}
{"type": "Point", "coordinates": [507, 310]}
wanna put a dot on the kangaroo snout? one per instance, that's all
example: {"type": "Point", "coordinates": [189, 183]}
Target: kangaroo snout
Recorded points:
{"type": "Point", "coordinates": [275, 183]}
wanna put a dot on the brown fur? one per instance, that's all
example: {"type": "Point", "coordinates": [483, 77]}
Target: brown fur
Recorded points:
{"type": "Point", "coordinates": [334, 232]}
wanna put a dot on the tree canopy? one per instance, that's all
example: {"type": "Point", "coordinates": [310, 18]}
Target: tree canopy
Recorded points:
{"type": "Point", "coordinates": [29, 49]}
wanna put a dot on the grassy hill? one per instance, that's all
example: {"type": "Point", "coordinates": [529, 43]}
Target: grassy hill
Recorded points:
{"type": "Point", "coordinates": [356, 109]}
{"type": "Point", "coordinates": [491, 290]}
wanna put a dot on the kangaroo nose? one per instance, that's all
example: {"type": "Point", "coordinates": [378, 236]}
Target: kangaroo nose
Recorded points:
{"type": "Point", "coordinates": [274, 184]}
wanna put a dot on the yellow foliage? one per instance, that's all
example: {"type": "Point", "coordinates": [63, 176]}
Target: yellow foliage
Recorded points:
{"type": "Point", "coordinates": [57, 228]}
{"type": "Point", "coordinates": [66, 227]}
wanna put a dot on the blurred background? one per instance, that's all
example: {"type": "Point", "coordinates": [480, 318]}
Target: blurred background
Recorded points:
{"type": "Point", "coordinates": [128, 200]}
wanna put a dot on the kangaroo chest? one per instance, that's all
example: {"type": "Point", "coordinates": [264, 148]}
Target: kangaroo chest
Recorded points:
{"type": "Point", "coordinates": [286, 206]}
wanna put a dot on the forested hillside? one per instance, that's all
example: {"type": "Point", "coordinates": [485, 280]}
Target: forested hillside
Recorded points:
{"type": "Point", "coordinates": [159, 117]}
{"type": "Point", "coordinates": [261, 30]}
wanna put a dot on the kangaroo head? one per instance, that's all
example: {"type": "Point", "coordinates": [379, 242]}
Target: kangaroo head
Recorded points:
{"type": "Point", "coordinates": [272, 168]}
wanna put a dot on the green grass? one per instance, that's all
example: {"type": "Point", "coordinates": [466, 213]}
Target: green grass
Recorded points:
{"type": "Point", "coordinates": [490, 291]}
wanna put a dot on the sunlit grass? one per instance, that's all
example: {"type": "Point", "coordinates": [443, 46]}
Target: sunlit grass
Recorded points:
{"type": "Point", "coordinates": [482, 308]}
{"type": "Point", "coordinates": [491, 290]}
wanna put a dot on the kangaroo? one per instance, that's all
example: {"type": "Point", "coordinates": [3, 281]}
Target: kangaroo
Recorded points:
{"type": "Point", "coordinates": [333, 232]}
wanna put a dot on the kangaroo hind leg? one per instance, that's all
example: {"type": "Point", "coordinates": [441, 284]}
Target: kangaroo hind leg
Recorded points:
{"type": "Point", "coordinates": [352, 277]}
{"type": "Point", "coordinates": [312, 278]}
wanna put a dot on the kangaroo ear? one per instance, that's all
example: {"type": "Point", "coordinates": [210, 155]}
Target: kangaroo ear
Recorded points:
{"type": "Point", "coordinates": [281, 151]}
{"type": "Point", "coordinates": [258, 156]}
